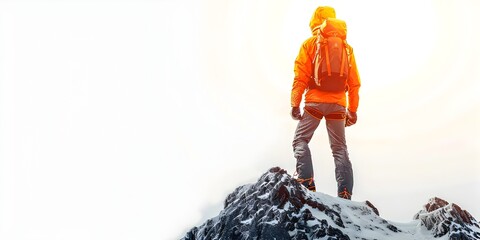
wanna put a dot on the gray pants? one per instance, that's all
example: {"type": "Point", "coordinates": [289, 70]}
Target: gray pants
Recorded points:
{"type": "Point", "coordinates": [335, 123]}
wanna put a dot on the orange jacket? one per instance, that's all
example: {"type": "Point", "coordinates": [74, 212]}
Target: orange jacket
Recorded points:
{"type": "Point", "coordinates": [304, 71]}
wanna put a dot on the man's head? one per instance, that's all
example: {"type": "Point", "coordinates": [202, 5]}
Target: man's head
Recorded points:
{"type": "Point", "coordinates": [321, 13]}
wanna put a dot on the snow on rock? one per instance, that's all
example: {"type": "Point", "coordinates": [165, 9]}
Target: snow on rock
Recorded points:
{"type": "Point", "coordinates": [277, 207]}
{"type": "Point", "coordinates": [445, 218]}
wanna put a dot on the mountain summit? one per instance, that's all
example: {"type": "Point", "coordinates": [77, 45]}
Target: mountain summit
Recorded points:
{"type": "Point", "coordinates": [277, 207]}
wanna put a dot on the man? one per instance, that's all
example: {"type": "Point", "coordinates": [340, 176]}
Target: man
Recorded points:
{"type": "Point", "coordinates": [321, 104]}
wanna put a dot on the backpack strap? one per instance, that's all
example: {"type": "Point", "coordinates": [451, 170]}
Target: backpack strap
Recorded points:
{"type": "Point", "coordinates": [327, 60]}
{"type": "Point", "coordinates": [316, 60]}
{"type": "Point", "coordinates": [342, 65]}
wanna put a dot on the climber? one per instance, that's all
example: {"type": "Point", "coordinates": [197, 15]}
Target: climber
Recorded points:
{"type": "Point", "coordinates": [326, 69]}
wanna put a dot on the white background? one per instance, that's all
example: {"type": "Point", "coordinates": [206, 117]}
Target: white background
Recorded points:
{"type": "Point", "coordinates": [135, 119]}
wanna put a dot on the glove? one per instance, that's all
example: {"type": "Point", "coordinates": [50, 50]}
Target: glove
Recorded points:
{"type": "Point", "coordinates": [296, 115]}
{"type": "Point", "coordinates": [351, 118]}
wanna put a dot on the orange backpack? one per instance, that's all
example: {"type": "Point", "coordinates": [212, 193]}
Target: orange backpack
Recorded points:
{"type": "Point", "coordinates": [331, 64]}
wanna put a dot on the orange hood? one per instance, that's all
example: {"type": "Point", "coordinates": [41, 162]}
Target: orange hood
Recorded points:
{"type": "Point", "coordinates": [321, 13]}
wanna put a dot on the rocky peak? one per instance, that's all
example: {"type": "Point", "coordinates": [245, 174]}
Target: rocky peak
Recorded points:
{"type": "Point", "coordinates": [277, 207]}
{"type": "Point", "coordinates": [442, 217]}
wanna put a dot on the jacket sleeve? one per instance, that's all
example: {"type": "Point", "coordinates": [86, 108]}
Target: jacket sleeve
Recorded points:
{"type": "Point", "coordinates": [353, 84]}
{"type": "Point", "coordinates": [303, 73]}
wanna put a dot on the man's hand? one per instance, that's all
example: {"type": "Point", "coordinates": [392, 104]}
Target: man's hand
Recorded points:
{"type": "Point", "coordinates": [351, 118]}
{"type": "Point", "coordinates": [296, 115]}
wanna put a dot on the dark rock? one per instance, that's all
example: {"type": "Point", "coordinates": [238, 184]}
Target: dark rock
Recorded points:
{"type": "Point", "coordinates": [393, 228]}
{"type": "Point", "coordinates": [375, 210]}
{"type": "Point", "coordinates": [281, 196]}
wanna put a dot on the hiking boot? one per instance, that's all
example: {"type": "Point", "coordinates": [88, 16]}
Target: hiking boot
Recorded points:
{"type": "Point", "coordinates": [345, 194]}
{"type": "Point", "coordinates": [308, 183]}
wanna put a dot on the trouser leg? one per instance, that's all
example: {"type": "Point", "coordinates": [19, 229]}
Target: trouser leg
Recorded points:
{"type": "Point", "coordinates": [303, 134]}
{"type": "Point", "coordinates": [343, 166]}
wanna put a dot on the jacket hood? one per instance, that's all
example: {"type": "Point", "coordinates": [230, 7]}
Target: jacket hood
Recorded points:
{"type": "Point", "coordinates": [321, 13]}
